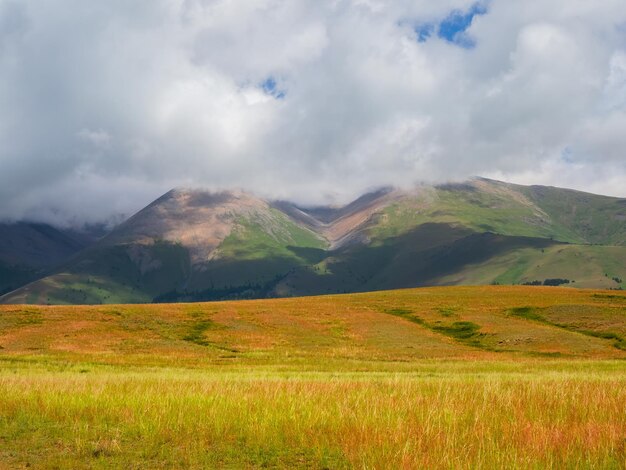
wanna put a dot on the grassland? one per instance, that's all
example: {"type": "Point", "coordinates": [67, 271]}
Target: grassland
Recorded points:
{"type": "Point", "coordinates": [461, 377]}
{"type": "Point", "coordinates": [110, 275]}
{"type": "Point", "coordinates": [587, 266]}
{"type": "Point", "coordinates": [257, 237]}
{"type": "Point", "coordinates": [480, 207]}
{"type": "Point", "coordinates": [596, 219]}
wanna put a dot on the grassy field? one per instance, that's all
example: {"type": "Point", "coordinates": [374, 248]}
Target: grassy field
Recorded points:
{"type": "Point", "coordinates": [461, 377]}
{"type": "Point", "coordinates": [590, 267]}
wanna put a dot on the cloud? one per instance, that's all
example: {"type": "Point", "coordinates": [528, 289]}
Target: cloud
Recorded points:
{"type": "Point", "coordinates": [103, 106]}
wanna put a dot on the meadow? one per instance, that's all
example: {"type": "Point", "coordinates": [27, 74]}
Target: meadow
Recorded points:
{"type": "Point", "coordinates": [460, 377]}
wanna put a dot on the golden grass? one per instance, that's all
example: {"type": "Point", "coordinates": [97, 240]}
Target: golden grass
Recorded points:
{"type": "Point", "coordinates": [377, 380]}
{"type": "Point", "coordinates": [447, 415]}
{"type": "Point", "coordinates": [337, 328]}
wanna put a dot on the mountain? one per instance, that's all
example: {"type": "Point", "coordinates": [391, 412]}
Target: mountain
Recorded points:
{"type": "Point", "coordinates": [195, 245]}
{"type": "Point", "coordinates": [27, 250]}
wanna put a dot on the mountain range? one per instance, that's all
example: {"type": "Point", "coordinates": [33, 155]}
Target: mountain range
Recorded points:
{"type": "Point", "coordinates": [195, 245]}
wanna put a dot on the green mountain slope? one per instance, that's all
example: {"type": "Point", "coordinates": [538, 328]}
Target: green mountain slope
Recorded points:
{"type": "Point", "coordinates": [193, 245]}
{"type": "Point", "coordinates": [584, 266]}
{"type": "Point", "coordinates": [491, 206]}
{"type": "Point", "coordinates": [594, 219]}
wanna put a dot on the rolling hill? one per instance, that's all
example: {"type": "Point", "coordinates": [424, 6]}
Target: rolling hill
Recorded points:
{"type": "Point", "coordinates": [477, 322]}
{"type": "Point", "coordinates": [29, 250]}
{"type": "Point", "coordinates": [192, 245]}
{"type": "Point", "coordinates": [443, 377]}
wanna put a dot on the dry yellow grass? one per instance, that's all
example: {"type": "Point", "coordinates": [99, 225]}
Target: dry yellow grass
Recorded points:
{"type": "Point", "coordinates": [392, 325]}
{"type": "Point", "coordinates": [463, 377]}
{"type": "Point", "coordinates": [448, 415]}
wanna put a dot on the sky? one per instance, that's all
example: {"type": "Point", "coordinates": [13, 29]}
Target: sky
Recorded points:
{"type": "Point", "coordinates": [106, 105]}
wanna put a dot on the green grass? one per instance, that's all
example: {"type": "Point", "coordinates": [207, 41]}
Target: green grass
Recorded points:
{"type": "Point", "coordinates": [200, 325]}
{"type": "Point", "coordinates": [263, 236]}
{"type": "Point", "coordinates": [527, 313]}
{"type": "Point", "coordinates": [515, 271]}
{"type": "Point", "coordinates": [465, 332]}
{"type": "Point", "coordinates": [93, 290]}
{"type": "Point", "coordinates": [196, 332]}
{"type": "Point", "coordinates": [507, 209]}
{"type": "Point", "coordinates": [482, 210]}
{"type": "Point", "coordinates": [462, 330]}
{"type": "Point", "coordinates": [588, 266]}
{"type": "Point", "coordinates": [595, 219]}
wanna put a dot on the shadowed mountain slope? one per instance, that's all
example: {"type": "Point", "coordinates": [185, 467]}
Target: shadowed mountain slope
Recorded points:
{"type": "Point", "coordinates": [27, 250]}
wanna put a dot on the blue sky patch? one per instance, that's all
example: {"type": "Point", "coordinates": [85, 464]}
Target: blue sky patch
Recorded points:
{"type": "Point", "coordinates": [453, 27]}
{"type": "Point", "coordinates": [424, 31]}
{"type": "Point", "coordinates": [270, 87]}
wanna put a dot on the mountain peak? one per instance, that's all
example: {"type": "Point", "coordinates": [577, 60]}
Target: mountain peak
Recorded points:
{"type": "Point", "coordinates": [197, 219]}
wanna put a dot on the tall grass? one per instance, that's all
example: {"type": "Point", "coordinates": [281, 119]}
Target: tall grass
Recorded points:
{"type": "Point", "coordinates": [440, 415]}
{"type": "Point", "coordinates": [421, 378]}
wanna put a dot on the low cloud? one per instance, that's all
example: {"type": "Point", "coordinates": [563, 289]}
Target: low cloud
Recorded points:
{"type": "Point", "coordinates": [104, 106]}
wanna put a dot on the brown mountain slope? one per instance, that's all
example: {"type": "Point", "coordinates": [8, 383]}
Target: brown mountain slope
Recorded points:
{"type": "Point", "coordinates": [197, 220]}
